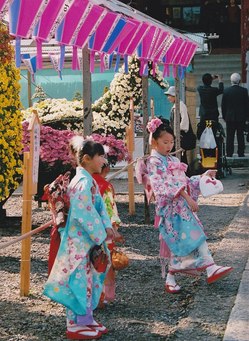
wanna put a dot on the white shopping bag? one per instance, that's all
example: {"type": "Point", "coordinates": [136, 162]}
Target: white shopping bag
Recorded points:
{"type": "Point", "coordinates": [207, 140]}
{"type": "Point", "coordinates": [210, 186]}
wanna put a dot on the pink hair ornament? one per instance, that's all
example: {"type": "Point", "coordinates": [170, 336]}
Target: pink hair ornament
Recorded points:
{"type": "Point", "coordinates": [152, 126]}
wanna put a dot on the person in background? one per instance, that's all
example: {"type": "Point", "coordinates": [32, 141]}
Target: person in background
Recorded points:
{"type": "Point", "coordinates": [73, 281]}
{"type": "Point", "coordinates": [184, 118]}
{"type": "Point", "coordinates": [176, 206]}
{"type": "Point", "coordinates": [108, 194]}
{"type": "Point", "coordinates": [235, 112]}
{"type": "Point", "coordinates": [208, 97]}
{"type": "Point", "coordinates": [233, 14]}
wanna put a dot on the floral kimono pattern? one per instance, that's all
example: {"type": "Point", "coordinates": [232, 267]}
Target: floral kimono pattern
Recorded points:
{"type": "Point", "coordinates": [73, 282]}
{"type": "Point", "coordinates": [108, 194]}
{"type": "Point", "coordinates": [179, 227]}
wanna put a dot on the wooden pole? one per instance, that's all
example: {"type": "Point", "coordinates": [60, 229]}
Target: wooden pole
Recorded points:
{"type": "Point", "coordinates": [26, 227]}
{"type": "Point", "coordinates": [26, 235]}
{"type": "Point", "coordinates": [30, 180]}
{"type": "Point", "coordinates": [145, 84]}
{"type": "Point", "coordinates": [177, 116]}
{"type": "Point", "coordinates": [29, 89]}
{"type": "Point", "coordinates": [87, 92]}
{"type": "Point", "coordinates": [130, 143]}
{"type": "Point", "coordinates": [152, 107]}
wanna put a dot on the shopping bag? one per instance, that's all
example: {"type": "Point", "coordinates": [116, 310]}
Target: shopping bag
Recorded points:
{"type": "Point", "coordinates": [207, 140]}
{"type": "Point", "coordinates": [210, 186]}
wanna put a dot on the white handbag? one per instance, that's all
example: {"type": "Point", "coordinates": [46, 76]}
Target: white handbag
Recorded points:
{"type": "Point", "coordinates": [210, 186]}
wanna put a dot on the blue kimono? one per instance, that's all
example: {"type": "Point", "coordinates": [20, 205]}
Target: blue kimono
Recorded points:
{"type": "Point", "coordinates": [73, 281]}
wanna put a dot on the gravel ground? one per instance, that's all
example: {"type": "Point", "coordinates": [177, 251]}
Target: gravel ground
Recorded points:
{"type": "Point", "coordinates": [142, 309]}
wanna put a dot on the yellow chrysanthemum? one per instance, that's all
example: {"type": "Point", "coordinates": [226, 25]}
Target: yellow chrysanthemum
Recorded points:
{"type": "Point", "coordinates": [10, 120]}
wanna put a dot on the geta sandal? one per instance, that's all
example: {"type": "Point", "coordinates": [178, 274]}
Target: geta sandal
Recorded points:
{"type": "Point", "coordinates": [83, 334]}
{"type": "Point", "coordinates": [219, 273]}
{"type": "Point", "coordinates": [98, 327]}
{"type": "Point", "coordinates": [172, 289]}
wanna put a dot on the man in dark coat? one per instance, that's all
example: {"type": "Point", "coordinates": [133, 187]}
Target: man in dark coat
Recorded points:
{"type": "Point", "coordinates": [235, 111]}
{"type": "Point", "coordinates": [208, 97]}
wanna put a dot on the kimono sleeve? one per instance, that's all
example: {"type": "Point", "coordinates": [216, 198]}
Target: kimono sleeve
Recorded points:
{"type": "Point", "coordinates": [194, 186]}
{"type": "Point", "coordinates": [87, 215]}
{"type": "Point", "coordinates": [163, 183]}
{"type": "Point", "coordinates": [111, 206]}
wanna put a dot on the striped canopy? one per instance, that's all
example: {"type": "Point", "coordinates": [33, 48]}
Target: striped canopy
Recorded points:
{"type": "Point", "coordinates": [106, 27]}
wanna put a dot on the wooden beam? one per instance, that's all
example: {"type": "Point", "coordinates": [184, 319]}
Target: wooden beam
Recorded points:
{"type": "Point", "coordinates": [87, 92]}
{"type": "Point", "coordinates": [29, 89]}
{"type": "Point", "coordinates": [145, 87]}
{"type": "Point", "coordinates": [177, 116]}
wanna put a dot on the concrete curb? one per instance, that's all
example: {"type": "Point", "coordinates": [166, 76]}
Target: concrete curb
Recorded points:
{"type": "Point", "coordinates": [238, 324]}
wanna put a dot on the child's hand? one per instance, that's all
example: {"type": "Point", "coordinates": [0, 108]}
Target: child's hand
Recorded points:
{"type": "Point", "coordinates": [211, 173]}
{"type": "Point", "coordinates": [192, 204]}
{"type": "Point", "coordinates": [110, 233]}
{"type": "Point", "coordinates": [118, 238]}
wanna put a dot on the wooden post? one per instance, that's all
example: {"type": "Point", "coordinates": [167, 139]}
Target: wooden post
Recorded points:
{"type": "Point", "coordinates": [146, 138]}
{"type": "Point", "coordinates": [87, 92]}
{"type": "Point", "coordinates": [190, 95]}
{"type": "Point", "coordinates": [29, 89]}
{"type": "Point", "coordinates": [177, 115]}
{"type": "Point", "coordinates": [152, 107]}
{"type": "Point", "coordinates": [130, 144]}
{"type": "Point", "coordinates": [30, 180]}
{"type": "Point", "coordinates": [26, 227]}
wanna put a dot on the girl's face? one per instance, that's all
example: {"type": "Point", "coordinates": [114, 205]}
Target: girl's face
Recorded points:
{"type": "Point", "coordinates": [95, 164]}
{"type": "Point", "coordinates": [164, 143]}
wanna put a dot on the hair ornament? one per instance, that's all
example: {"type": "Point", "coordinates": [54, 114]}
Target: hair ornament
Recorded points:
{"type": "Point", "coordinates": [77, 142]}
{"type": "Point", "coordinates": [154, 124]}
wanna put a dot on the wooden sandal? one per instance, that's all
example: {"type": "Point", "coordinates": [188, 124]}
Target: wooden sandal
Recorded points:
{"type": "Point", "coordinates": [219, 273]}
{"type": "Point", "coordinates": [98, 327]}
{"type": "Point", "coordinates": [172, 289]}
{"type": "Point", "coordinates": [83, 334]}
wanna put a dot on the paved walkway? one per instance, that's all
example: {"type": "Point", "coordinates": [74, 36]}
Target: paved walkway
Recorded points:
{"type": "Point", "coordinates": [238, 324]}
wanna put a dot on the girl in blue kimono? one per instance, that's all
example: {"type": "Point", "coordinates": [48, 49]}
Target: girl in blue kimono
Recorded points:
{"type": "Point", "coordinates": [176, 206]}
{"type": "Point", "coordinates": [73, 281]}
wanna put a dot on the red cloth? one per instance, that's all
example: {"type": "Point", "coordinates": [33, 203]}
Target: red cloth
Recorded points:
{"type": "Point", "coordinates": [102, 183]}
{"type": "Point", "coordinates": [53, 247]}
{"type": "Point", "coordinates": [58, 201]}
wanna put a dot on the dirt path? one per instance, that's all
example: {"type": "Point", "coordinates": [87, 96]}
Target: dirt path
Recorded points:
{"type": "Point", "coordinates": [142, 310]}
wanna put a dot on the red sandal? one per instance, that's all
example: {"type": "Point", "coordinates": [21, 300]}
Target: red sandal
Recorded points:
{"type": "Point", "coordinates": [83, 334]}
{"type": "Point", "coordinates": [98, 327]}
{"type": "Point", "coordinates": [172, 289]}
{"type": "Point", "coordinates": [219, 273]}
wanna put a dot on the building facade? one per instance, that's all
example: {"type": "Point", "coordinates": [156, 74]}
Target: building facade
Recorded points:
{"type": "Point", "coordinates": [222, 17]}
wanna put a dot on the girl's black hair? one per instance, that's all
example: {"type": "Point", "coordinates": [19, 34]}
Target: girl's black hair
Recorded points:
{"type": "Point", "coordinates": [90, 148]}
{"type": "Point", "coordinates": [163, 127]}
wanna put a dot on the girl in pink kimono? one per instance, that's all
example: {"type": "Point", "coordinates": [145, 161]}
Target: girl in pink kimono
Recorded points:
{"type": "Point", "coordinates": [176, 206]}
